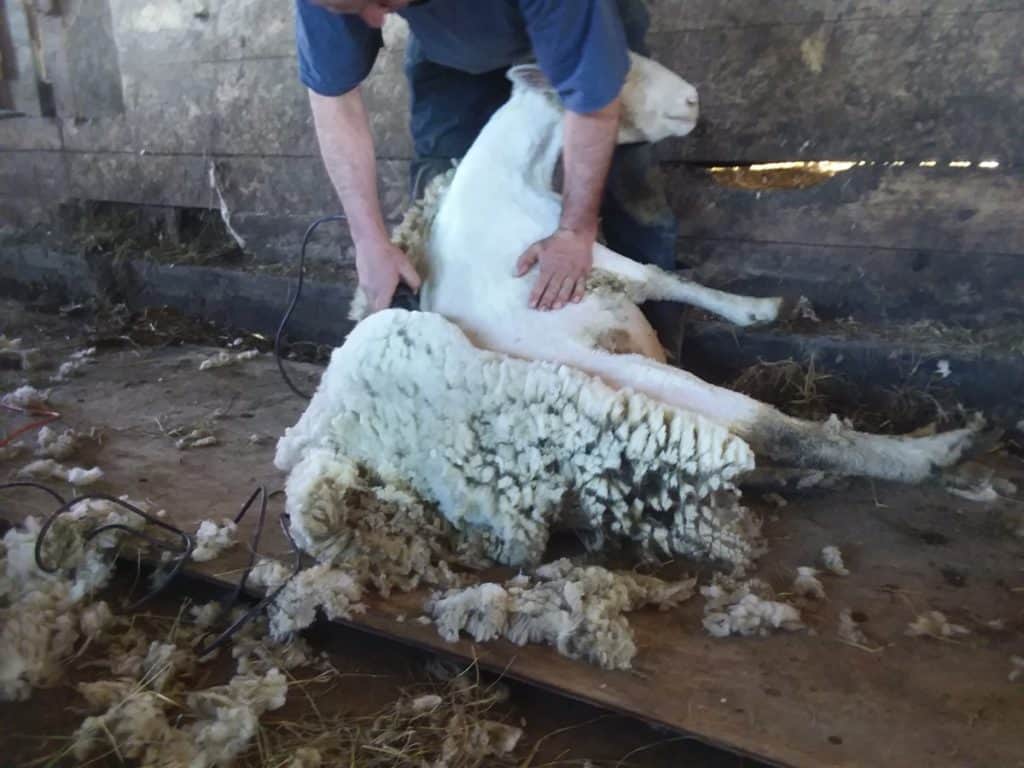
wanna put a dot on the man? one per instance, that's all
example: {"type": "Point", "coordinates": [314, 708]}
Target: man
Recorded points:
{"type": "Point", "coordinates": [456, 59]}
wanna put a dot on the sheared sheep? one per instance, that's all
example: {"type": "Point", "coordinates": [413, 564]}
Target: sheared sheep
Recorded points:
{"type": "Point", "coordinates": [506, 449]}
{"type": "Point", "coordinates": [499, 201]}
{"type": "Point", "coordinates": [507, 419]}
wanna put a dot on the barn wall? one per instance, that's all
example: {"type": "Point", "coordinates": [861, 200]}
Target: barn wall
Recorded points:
{"type": "Point", "coordinates": [148, 96]}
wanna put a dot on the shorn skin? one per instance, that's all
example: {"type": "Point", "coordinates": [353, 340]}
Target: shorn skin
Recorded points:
{"type": "Point", "coordinates": [500, 200]}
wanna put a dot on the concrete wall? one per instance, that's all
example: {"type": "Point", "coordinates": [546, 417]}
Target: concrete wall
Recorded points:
{"type": "Point", "coordinates": [149, 95]}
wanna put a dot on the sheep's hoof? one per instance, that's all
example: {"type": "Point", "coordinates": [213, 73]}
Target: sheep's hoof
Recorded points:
{"type": "Point", "coordinates": [762, 312]}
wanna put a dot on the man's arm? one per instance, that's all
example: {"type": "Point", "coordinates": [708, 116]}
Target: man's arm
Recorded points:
{"type": "Point", "coordinates": [346, 145]}
{"type": "Point", "coordinates": [566, 257]}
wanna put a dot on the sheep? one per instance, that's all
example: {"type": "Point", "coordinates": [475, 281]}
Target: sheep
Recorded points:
{"type": "Point", "coordinates": [506, 450]}
{"type": "Point", "coordinates": [499, 200]}
{"type": "Point", "coordinates": [510, 422]}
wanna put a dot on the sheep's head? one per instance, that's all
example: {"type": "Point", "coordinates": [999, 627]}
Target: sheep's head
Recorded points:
{"type": "Point", "coordinates": [656, 102]}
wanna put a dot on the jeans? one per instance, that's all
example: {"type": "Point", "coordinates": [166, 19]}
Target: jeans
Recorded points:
{"type": "Point", "coordinates": [449, 108]}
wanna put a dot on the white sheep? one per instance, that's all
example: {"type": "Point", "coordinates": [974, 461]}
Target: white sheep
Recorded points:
{"type": "Point", "coordinates": [512, 421]}
{"type": "Point", "coordinates": [499, 201]}
{"type": "Point", "coordinates": [506, 450]}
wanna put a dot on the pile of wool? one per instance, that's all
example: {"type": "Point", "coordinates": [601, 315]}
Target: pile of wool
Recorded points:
{"type": "Point", "coordinates": [50, 469]}
{"type": "Point", "coordinates": [577, 609]}
{"type": "Point", "coordinates": [322, 587]}
{"type": "Point", "coordinates": [509, 449]}
{"type": "Point", "coordinates": [134, 720]}
{"type": "Point", "coordinates": [26, 397]}
{"type": "Point", "coordinates": [807, 584]}
{"type": "Point", "coordinates": [14, 355]}
{"type": "Point", "coordinates": [73, 364]}
{"type": "Point", "coordinates": [832, 559]}
{"type": "Point", "coordinates": [935, 624]}
{"type": "Point", "coordinates": [211, 539]}
{"type": "Point", "coordinates": [51, 444]}
{"type": "Point", "coordinates": [745, 608]}
{"type": "Point", "coordinates": [44, 615]}
{"type": "Point", "coordinates": [382, 534]}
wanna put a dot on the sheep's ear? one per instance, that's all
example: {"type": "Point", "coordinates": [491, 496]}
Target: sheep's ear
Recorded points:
{"type": "Point", "coordinates": [530, 78]}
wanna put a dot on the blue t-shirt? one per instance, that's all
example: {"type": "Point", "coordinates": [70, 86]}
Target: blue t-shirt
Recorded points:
{"type": "Point", "coordinates": [579, 44]}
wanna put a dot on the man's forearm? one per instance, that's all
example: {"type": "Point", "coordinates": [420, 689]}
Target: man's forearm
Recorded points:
{"type": "Point", "coordinates": [346, 145]}
{"type": "Point", "coordinates": [589, 144]}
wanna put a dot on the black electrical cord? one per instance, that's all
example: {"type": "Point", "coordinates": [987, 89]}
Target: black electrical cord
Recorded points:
{"type": "Point", "coordinates": [183, 553]}
{"type": "Point", "coordinates": [295, 300]}
{"type": "Point", "coordinates": [267, 599]}
{"type": "Point", "coordinates": [404, 298]}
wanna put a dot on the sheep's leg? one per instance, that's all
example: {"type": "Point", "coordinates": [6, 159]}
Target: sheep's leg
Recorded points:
{"type": "Point", "coordinates": [650, 283]}
{"type": "Point", "coordinates": [786, 440]}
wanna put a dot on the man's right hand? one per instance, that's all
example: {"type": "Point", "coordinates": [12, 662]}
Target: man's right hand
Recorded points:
{"type": "Point", "coordinates": [381, 265]}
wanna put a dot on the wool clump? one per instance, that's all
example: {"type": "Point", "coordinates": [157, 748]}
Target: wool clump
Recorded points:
{"type": "Point", "coordinates": [507, 449]}
{"type": "Point", "coordinates": [579, 610]}
{"type": "Point", "coordinates": [745, 608]}
{"type": "Point", "coordinates": [212, 538]}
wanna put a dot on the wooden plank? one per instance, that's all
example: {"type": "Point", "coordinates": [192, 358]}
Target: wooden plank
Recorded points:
{"type": "Point", "coordinates": [898, 88]}
{"type": "Point", "coordinates": [19, 133]}
{"type": "Point", "coordinates": [876, 242]}
{"type": "Point", "coordinates": [952, 209]}
{"type": "Point", "coordinates": [868, 283]}
{"type": "Point", "coordinates": [687, 15]}
{"type": "Point", "coordinates": [251, 185]}
{"type": "Point", "coordinates": [33, 174]}
{"type": "Point", "coordinates": [797, 699]}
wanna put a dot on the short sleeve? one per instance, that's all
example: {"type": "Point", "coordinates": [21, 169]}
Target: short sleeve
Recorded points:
{"type": "Point", "coordinates": [581, 47]}
{"type": "Point", "coordinates": [336, 52]}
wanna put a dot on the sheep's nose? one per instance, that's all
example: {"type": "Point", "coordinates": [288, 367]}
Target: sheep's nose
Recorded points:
{"type": "Point", "coordinates": [692, 100]}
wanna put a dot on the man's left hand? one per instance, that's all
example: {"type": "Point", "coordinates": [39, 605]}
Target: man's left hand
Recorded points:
{"type": "Point", "coordinates": [565, 259]}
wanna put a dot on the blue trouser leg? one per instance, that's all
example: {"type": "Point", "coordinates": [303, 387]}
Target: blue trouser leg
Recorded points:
{"type": "Point", "coordinates": [448, 109]}
{"type": "Point", "coordinates": [637, 220]}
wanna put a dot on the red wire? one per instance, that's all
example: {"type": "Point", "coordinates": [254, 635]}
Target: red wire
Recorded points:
{"type": "Point", "coordinates": [48, 417]}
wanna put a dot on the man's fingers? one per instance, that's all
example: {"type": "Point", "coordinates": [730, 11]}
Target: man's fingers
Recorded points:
{"type": "Point", "coordinates": [527, 260]}
{"type": "Point", "coordinates": [549, 299]}
{"type": "Point", "coordinates": [538, 289]}
{"type": "Point", "coordinates": [565, 291]}
{"type": "Point", "coordinates": [580, 290]}
{"type": "Point", "coordinates": [409, 275]}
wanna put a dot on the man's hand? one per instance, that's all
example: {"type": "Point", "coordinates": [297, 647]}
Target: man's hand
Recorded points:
{"type": "Point", "coordinates": [565, 260]}
{"type": "Point", "coordinates": [381, 265]}
{"type": "Point", "coordinates": [566, 257]}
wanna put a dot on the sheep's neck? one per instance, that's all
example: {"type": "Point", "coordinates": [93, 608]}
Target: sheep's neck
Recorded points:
{"type": "Point", "coordinates": [522, 141]}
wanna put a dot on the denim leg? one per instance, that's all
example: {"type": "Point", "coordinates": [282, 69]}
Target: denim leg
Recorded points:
{"type": "Point", "coordinates": [638, 222]}
{"type": "Point", "coordinates": [636, 218]}
{"type": "Point", "coordinates": [636, 20]}
{"type": "Point", "coordinates": [448, 110]}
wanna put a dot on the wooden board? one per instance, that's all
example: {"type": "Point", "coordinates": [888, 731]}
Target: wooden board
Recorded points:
{"type": "Point", "coordinates": [901, 243]}
{"type": "Point", "coordinates": [874, 87]}
{"type": "Point", "coordinates": [799, 699]}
